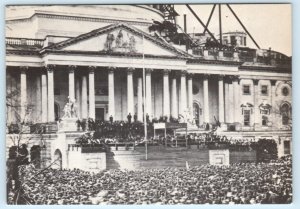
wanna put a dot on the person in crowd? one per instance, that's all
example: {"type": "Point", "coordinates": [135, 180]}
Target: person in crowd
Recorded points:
{"type": "Point", "coordinates": [242, 183]}
{"type": "Point", "coordinates": [111, 119]}
{"type": "Point", "coordinates": [135, 117]}
{"type": "Point", "coordinates": [129, 118]}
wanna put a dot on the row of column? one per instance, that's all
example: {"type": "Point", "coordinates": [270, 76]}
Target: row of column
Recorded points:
{"type": "Point", "coordinates": [231, 99]}
{"type": "Point", "coordinates": [88, 108]}
{"type": "Point", "coordinates": [186, 100]}
{"type": "Point", "coordinates": [47, 93]}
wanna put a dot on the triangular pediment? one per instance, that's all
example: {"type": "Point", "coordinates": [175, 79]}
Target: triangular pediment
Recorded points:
{"type": "Point", "coordinates": [119, 38]}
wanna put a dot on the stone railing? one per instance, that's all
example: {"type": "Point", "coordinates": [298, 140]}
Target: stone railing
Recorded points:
{"type": "Point", "coordinates": [241, 55]}
{"type": "Point", "coordinates": [24, 42]}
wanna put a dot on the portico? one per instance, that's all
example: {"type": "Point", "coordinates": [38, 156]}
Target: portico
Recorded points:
{"type": "Point", "coordinates": [106, 79]}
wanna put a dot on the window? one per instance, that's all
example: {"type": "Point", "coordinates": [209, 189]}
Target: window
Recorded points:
{"type": "Point", "coordinates": [246, 117]}
{"type": "Point", "coordinates": [246, 89]}
{"type": "Point", "coordinates": [233, 40]}
{"type": "Point", "coordinates": [285, 113]}
{"type": "Point", "coordinates": [285, 91]}
{"type": "Point", "coordinates": [264, 121]}
{"type": "Point", "coordinates": [264, 111]}
{"type": "Point", "coordinates": [264, 90]}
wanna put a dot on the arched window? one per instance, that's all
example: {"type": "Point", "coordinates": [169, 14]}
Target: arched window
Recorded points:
{"type": "Point", "coordinates": [285, 112]}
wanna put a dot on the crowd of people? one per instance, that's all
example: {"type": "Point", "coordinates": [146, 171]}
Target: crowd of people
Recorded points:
{"type": "Point", "coordinates": [244, 183]}
{"type": "Point", "coordinates": [208, 140]}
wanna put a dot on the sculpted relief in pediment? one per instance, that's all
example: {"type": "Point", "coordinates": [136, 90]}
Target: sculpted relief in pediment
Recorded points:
{"type": "Point", "coordinates": [121, 41]}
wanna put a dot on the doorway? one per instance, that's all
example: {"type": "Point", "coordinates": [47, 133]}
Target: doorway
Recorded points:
{"type": "Point", "coordinates": [100, 114]}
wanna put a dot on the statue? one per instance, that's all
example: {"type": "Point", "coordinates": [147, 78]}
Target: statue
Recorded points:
{"type": "Point", "coordinates": [132, 44]}
{"type": "Point", "coordinates": [70, 109]}
{"type": "Point", "coordinates": [67, 111]}
{"type": "Point", "coordinates": [109, 41]}
{"type": "Point", "coordinates": [119, 39]}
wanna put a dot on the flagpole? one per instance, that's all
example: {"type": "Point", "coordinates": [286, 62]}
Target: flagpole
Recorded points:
{"type": "Point", "coordinates": [144, 101]}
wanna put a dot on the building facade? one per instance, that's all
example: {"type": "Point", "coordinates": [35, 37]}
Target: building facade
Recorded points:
{"type": "Point", "coordinates": [98, 58]}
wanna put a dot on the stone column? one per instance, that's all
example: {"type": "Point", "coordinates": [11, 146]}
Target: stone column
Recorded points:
{"type": "Point", "coordinates": [205, 97]}
{"type": "Point", "coordinates": [230, 102]}
{"type": "Point", "coordinates": [130, 96]}
{"type": "Point", "coordinates": [71, 70]}
{"type": "Point", "coordinates": [50, 73]}
{"type": "Point", "coordinates": [140, 98]}
{"type": "Point", "coordinates": [44, 97]}
{"type": "Point", "coordinates": [190, 94]}
{"type": "Point", "coordinates": [92, 92]}
{"type": "Point", "coordinates": [111, 92]}
{"type": "Point", "coordinates": [23, 93]}
{"type": "Point", "coordinates": [226, 101]}
{"type": "Point", "coordinates": [236, 96]}
{"type": "Point", "coordinates": [183, 102]}
{"type": "Point", "coordinates": [174, 97]}
{"type": "Point", "coordinates": [77, 96]}
{"type": "Point", "coordinates": [148, 105]}
{"type": "Point", "coordinates": [166, 93]}
{"type": "Point", "coordinates": [221, 99]}
{"type": "Point", "coordinates": [84, 107]}
{"type": "Point", "coordinates": [38, 99]}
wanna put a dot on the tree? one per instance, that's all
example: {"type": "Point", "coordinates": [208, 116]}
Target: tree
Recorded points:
{"type": "Point", "coordinates": [20, 137]}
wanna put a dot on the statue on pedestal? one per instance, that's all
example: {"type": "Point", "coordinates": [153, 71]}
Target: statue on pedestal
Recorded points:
{"type": "Point", "coordinates": [70, 109]}
{"type": "Point", "coordinates": [70, 119]}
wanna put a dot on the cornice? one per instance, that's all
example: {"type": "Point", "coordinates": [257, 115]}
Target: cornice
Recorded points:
{"type": "Point", "coordinates": [277, 69]}
{"type": "Point", "coordinates": [214, 62]}
{"type": "Point", "coordinates": [112, 54]}
{"type": "Point", "coordinates": [80, 18]}
{"type": "Point", "coordinates": [23, 52]}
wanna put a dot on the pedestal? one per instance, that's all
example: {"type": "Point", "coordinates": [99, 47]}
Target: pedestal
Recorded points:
{"type": "Point", "coordinates": [68, 124]}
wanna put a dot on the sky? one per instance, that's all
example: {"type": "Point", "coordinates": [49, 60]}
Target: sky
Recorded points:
{"type": "Point", "coordinates": [269, 24]}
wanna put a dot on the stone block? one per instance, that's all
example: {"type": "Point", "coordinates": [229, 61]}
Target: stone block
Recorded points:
{"type": "Point", "coordinates": [68, 124]}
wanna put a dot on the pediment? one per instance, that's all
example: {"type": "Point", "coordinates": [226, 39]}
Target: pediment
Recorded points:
{"type": "Point", "coordinates": [119, 38]}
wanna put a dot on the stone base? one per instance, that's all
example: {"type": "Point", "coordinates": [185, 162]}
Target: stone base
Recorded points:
{"type": "Point", "coordinates": [68, 124]}
{"type": "Point", "coordinates": [219, 157]}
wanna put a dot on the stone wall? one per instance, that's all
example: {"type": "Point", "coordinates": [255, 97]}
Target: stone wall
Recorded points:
{"type": "Point", "coordinates": [93, 162]}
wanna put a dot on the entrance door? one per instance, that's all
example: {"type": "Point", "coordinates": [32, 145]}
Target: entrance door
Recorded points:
{"type": "Point", "coordinates": [100, 114]}
{"type": "Point", "coordinates": [197, 111]}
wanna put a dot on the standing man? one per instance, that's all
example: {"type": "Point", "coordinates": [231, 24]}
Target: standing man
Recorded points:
{"type": "Point", "coordinates": [111, 119]}
{"type": "Point", "coordinates": [129, 118]}
{"type": "Point", "coordinates": [135, 117]}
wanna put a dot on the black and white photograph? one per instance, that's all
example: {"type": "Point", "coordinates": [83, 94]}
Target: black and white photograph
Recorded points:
{"type": "Point", "coordinates": [154, 104]}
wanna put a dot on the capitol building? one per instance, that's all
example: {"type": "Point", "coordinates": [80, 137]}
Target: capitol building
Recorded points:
{"type": "Point", "coordinates": [112, 63]}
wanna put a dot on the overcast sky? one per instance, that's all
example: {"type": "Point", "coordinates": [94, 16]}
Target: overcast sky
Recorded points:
{"type": "Point", "coordinates": [269, 24]}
